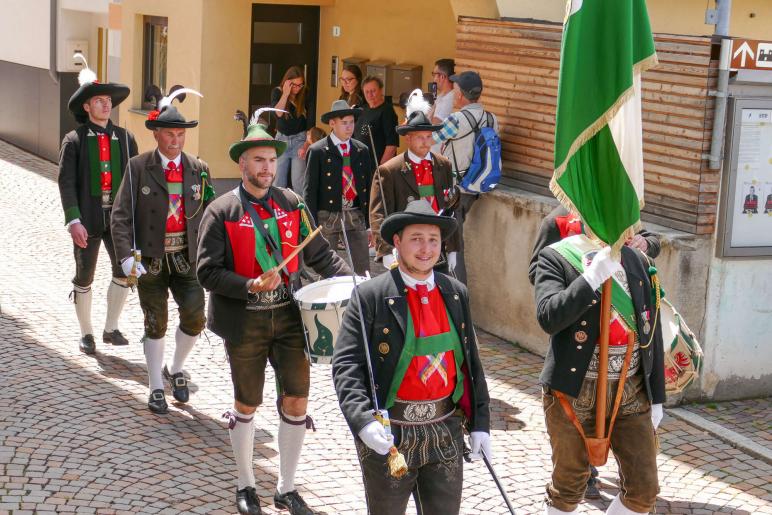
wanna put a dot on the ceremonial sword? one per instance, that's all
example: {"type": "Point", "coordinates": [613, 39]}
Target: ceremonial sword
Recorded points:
{"type": "Point", "coordinates": [136, 253]}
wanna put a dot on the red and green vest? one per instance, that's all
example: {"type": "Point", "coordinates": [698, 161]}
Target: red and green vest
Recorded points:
{"type": "Point", "coordinates": [569, 225]}
{"type": "Point", "coordinates": [430, 365]}
{"type": "Point", "coordinates": [104, 156]}
{"type": "Point", "coordinates": [251, 253]}
{"type": "Point", "coordinates": [175, 219]}
{"type": "Point", "coordinates": [424, 177]}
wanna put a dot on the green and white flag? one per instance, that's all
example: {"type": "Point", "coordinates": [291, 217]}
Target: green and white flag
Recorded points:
{"type": "Point", "coordinates": [607, 44]}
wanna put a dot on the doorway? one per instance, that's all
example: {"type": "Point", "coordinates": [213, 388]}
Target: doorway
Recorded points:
{"type": "Point", "coordinates": [282, 36]}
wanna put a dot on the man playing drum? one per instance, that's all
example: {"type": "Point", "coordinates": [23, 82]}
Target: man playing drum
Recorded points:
{"type": "Point", "coordinates": [425, 370]}
{"type": "Point", "coordinates": [251, 306]}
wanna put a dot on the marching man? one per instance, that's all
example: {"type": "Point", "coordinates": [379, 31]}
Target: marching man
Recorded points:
{"type": "Point", "coordinates": [251, 306]}
{"type": "Point", "coordinates": [158, 211]}
{"type": "Point", "coordinates": [338, 179]}
{"type": "Point", "coordinates": [415, 174]}
{"type": "Point", "coordinates": [91, 164]}
{"type": "Point", "coordinates": [425, 369]}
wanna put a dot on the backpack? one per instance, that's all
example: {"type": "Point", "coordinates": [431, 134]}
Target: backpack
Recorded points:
{"type": "Point", "coordinates": [484, 171]}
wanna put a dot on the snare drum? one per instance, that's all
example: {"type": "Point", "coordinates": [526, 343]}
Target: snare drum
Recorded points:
{"type": "Point", "coordinates": [322, 305]}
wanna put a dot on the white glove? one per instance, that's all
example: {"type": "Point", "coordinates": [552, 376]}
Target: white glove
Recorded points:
{"type": "Point", "coordinates": [452, 259]}
{"type": "Point", "coordinates": [128, 263]}
{"type": "Point", "coordinates": [656, 414]}
{"type": "Point", "coordinates": [480, 440]}
{"type": "Point", "coordinates": [601, 268]}
{"type": "Point", "coordinates": [389, 260]}
{"type": "Point", "coordinates": [374, 436]}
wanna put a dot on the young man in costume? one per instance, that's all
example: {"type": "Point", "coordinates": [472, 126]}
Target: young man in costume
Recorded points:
{"type": "Point", "coordinates": [91, 164]}
{"type": "Point", "coordinates": [412, 175]}
{"type": "Point", "coordinates": [159, 209]}
{"type": "Point", "coordinates": [251, 306]}
{"type": "Point", "coordinates": [568, 276]}
{"type": "Point", "coordinates": [559, 224]}
{"type": "Point", "coordinates": [338, 179]}
{"type": "Point", "coordinates": [426, 371]}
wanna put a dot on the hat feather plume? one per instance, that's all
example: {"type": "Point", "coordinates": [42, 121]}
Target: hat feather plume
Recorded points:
{"type": "Point", "coordinates": [86, 75]}
{"type": "Point", "coordinates": [417, 102]}
{"type": "Point", "coordinates": [256, 117]}
{"type": "Point", "coordinates": [167, 101]}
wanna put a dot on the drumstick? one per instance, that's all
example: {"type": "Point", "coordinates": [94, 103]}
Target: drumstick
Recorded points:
{"type": "Point", "coordinates": [297, 249]}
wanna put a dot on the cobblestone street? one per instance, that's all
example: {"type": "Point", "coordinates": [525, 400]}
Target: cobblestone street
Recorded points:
{"type": "Point", "coordinates": [76, 434]}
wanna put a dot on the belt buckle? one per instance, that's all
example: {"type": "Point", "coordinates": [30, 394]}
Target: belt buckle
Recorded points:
{"type": "Point", "coordinates": [420, 412]}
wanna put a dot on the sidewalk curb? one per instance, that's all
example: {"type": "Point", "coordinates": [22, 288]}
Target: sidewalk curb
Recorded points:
{"type": "Point", "coordinates": [734, 439]}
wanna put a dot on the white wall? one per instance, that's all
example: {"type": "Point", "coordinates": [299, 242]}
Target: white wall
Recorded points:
{"type": "Point", "coordinates": [738, 328]}
{"type": "Point", "coordinates": [24, 32]}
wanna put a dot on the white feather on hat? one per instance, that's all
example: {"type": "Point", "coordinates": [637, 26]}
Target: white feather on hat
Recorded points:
{"type": "Point", "coordinates": [167, 100]}
{"type": "Point", "coordinates": [256, 117]}
{"type": "Point", "coordinates": [417, 102]}
{"type": "Point", "coordinates": [86, 75]}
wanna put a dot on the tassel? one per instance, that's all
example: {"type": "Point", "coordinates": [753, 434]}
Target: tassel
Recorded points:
{"type": "Point", "coordinates": [397, 463]}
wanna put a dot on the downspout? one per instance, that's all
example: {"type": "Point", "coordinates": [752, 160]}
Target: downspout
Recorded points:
{"type": "Point", "coordinates": [53, 44]}
{"type": "Point", "coordinates": [723, 11]}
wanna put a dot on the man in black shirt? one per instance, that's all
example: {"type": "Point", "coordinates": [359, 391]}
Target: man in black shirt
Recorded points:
{"type": "Point", "coordinates": [379, 121]}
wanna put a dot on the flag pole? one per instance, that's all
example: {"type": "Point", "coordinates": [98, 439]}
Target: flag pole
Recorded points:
{"type": "Point", "coordinates": [600, 398]}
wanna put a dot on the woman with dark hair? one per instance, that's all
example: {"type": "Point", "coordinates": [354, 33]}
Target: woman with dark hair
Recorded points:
{"type": "Point", "coordinates": [351, 85]}
{"type": "Point", "coordinates": [292, 96]}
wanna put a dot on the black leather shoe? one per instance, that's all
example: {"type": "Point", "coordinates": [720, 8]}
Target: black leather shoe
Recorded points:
{"type": "Point", "coordinates": [293, 502]}
{"type": "Point", "coordinates": [247, 501]}
{"type": "Point", "coordinates": [114, 337]}
{"type": "Point", "coordinates": [592, 491]}
{"type": "Point", "coordinates": [157, 402]}
{"type": "Point", "coordinates": [87, 344]}
{"type": "Point", "coordinates": [179, 385]}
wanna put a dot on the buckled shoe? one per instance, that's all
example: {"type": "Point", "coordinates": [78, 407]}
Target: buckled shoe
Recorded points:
{"type": "Point", "coordinates": [179, 385]}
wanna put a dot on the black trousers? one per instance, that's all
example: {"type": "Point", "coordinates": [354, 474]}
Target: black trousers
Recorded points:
{"type": "Point", "coordinates": [434, 456]}
{"type": "Point", "coordinates": [86, 259]}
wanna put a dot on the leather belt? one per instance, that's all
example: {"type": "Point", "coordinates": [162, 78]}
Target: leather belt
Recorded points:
{"type": "Point", "coordinates": [416, 413]}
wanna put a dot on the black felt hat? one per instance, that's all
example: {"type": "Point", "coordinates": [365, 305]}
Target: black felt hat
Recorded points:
{"type": "Point", "coordinates": [417, 121]}
{"type": "Point", "coordinates": [417, 212]}
{"type": "Point", "coordinates": [167, 116]}
{"type": "Point", "coordinates": [89, 88]}
{"type": "Point", "coordinates": [340, 109]}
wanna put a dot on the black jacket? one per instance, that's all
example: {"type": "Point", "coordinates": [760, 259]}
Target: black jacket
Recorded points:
{"type": "Point", "coordinates": [384, 304]}
{"type": "Point", "coordinates": [549, 234]}
{"type": "Point", "coordinates": [151, 206]}
{"type": "Point", "coordinates": [324, 180]}
{"type": "Point", "coordinates": [215, 268]}
{"type": "Point", "coordinates": [75, 175]}
{"type": "Point", "coordinates": [569, 311]}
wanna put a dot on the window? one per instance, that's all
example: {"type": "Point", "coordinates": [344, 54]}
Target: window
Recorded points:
{"type": "Point", "coordinates": [155, 45]}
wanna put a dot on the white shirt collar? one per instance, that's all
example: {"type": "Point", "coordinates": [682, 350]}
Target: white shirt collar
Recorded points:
{"type": "Point", "coordinates": [165, 160]}
{"type": "Point", "coordinates": [414, 158]}
{"type": "Point", "coordinates": [412, 282]}
{"type": "Point", "coordinates": [338, 141]}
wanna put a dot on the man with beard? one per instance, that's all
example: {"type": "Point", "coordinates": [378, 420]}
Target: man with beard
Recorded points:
{"type": "Point", "coordinates": [251, 306]}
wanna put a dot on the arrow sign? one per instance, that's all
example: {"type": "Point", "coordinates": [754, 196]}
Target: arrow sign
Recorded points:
{"type": "Point", "coordinates": [744, 51]}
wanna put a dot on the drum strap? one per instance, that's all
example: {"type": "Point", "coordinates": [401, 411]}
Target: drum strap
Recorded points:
{"type": "Point", "coordinates": [275, 249]}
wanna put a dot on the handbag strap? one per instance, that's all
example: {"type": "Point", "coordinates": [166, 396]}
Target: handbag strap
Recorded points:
{"type": "Point", "coordinates": [569, 410]}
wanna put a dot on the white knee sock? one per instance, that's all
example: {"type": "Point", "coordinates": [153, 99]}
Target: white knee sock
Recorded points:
{"type": "Point", "coordinates": [154, 356]}
{"type": "Point", "coordinates": [116, 298]}
{"type": "Point", "coordinates": [551, 510]}
{"type": "Point", "coordinates": [243, 444]}
{"type": "Point", "coordinates": [290, 444]}
{"type": "Point", "coordinates": [183, 344]}
{"type": "Point", "coordinates": [83, 309]}
{"type": "Point", "coordinates": [617, 508]}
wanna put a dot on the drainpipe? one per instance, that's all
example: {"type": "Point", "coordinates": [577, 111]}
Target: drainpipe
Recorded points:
{"type": "Point", "coordinates": [53, 45]}
{"type": "Point", "coordinates": [723, 11]}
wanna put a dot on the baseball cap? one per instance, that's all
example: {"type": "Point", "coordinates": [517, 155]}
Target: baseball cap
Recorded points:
{"type": "Point", "coordinates": [469, 83]}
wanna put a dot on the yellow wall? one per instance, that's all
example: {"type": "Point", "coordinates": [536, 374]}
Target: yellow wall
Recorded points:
{"type": "Point", "coordinates": [183, 62]}
{"type": "Point", "coordinates": [667, 16]}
